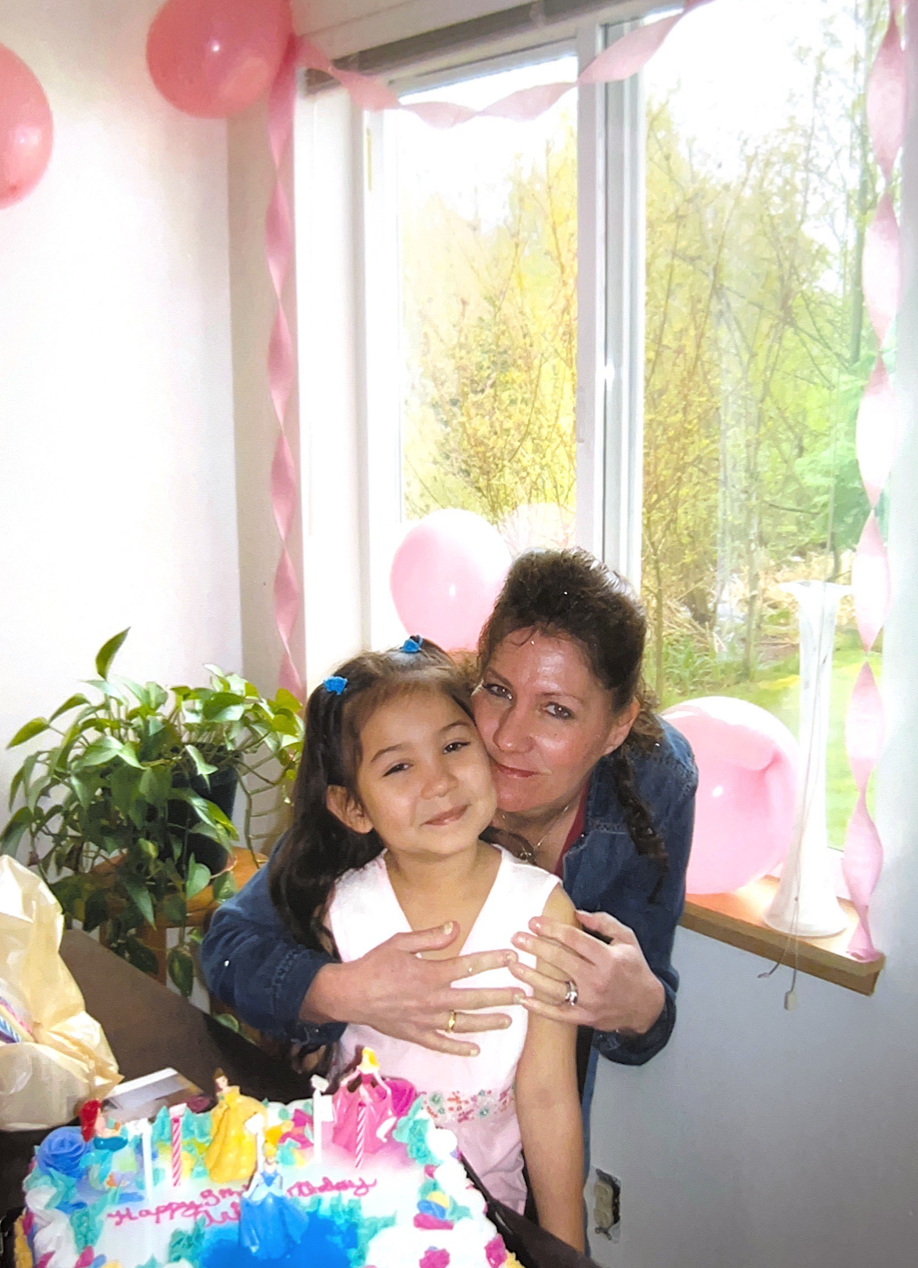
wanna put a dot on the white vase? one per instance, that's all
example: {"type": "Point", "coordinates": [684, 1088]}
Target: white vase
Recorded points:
{"type": "Point", "coordinates": [806, 904]}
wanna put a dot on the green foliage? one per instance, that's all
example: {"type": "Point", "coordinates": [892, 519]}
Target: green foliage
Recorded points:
{"type": "Point", "coordinates": [490, 320]}
{"type": "Point", "coordinates": [108, 808]}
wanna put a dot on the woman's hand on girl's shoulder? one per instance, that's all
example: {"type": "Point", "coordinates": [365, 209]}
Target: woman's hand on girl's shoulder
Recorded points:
{"type": "Point", "coordinates": [395, 991]}
{"type": "Point", "coordinates": [603, 982]}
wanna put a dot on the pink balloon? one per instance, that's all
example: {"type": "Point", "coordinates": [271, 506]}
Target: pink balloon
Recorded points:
{"type": "Point", "coordinates": [446, 575]}
{"type": "Point", "coordinates": [214, 57]}
{"type": "Point", "coordinates": [26, 129]}
{"type": "Point", "coordinates": [747, 786]}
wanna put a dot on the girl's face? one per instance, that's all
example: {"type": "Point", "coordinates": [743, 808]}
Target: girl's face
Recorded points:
{"type": "Point", "coordinates": [424, 780]}
{"type": "Point", "coordinates": [545, 720]}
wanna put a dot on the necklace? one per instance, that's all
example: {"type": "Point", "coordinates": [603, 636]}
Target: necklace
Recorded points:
{"type": "Point", "coordinates": [528, 852]}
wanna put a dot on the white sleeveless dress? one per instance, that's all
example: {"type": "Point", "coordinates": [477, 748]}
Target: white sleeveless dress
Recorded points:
{"type": "Point", "coordinates": [472, 1096]}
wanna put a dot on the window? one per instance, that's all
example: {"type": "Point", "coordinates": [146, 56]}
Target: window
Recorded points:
{"type": "Point", "coordinates": [757, 349]}
{"type": "Point", "coordinates": [635, 322]}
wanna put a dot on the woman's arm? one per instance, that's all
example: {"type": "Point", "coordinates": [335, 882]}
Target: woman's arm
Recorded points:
{"type": "Point", "coordinates": [548, 1109]}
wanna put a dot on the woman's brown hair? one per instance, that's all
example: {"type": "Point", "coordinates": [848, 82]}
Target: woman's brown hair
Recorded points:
{"type": "Point", "coordinates": [571, 594]}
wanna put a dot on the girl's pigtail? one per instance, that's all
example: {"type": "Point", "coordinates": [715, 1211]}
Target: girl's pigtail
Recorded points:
{"type": "Point", "coordinates": [319, 848]}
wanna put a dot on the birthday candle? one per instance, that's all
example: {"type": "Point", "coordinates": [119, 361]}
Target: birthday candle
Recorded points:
{"type": "Point", "coordinates": [319, 1105]}
{"type": "Point", "coordinates": [361, 1134]}
{"type": "Point", "coordinates": [175, 1115]}
{"type": "Point", "coordinates": [143, 1126]}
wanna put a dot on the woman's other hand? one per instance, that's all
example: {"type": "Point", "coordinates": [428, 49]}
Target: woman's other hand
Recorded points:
{"type": "Point", "coordinates": [395, 991]}
{"type": "Point", "coordinates": [616, 989]}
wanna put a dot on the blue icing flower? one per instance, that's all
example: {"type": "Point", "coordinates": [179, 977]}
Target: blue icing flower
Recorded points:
{"type": "Point", "coordinates": [63, 1150]}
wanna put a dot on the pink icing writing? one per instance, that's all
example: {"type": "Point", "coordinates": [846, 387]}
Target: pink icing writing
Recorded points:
{"type": "Point", "coordinates": [189, 1209]}
{"type": "Point", "coordinates": [305, 1189]}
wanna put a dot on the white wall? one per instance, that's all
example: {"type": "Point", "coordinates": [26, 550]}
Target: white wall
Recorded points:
{"type": "Point", "coordinates": [117, 493]}
{"type": "Point", "coordinates": [762, 1138]}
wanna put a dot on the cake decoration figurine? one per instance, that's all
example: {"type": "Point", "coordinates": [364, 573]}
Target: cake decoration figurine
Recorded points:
{"type": "Point", "coordinates": [270, 1225]}
{"type": "Point", "coordinates": [232, 1153]}
{"type": "Point", "coordinates": [363, 1113]}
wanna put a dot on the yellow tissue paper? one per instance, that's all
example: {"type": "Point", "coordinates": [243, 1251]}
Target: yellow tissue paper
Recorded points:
{"type": "Point", "coordinates": [53, 1055]}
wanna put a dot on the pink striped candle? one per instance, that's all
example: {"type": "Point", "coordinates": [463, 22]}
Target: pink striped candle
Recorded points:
{"type": "Point", "coordinates": [175, 1114]}
{"type": "Point", "coordinates": [361, 1134]}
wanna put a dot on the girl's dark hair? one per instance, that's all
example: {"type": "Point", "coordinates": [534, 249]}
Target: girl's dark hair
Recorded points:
{"type": "Point", "coordinates": [319, 848]}
{"type": "Point", "coordinates": [572, 594]}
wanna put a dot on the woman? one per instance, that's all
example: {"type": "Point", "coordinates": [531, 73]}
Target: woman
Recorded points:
{"type": "Point", "coordinates": [589, 783]}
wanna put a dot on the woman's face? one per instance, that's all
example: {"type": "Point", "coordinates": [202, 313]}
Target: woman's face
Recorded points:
{"type": "Point", "coordinates": [545, 721]}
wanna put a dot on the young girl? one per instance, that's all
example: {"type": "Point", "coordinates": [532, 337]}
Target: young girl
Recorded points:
{"type": "Point", "coordinates": [392, 797]}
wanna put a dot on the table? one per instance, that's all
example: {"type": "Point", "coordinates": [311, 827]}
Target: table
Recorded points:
{"type": "Point", "coordinates": [150, 1027]}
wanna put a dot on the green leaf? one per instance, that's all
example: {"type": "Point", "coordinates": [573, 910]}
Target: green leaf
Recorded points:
{"type": "Point", "coordinates": [175, 910]}
{"type": "Point", "coordinates": [69, 891]}
{"type": "Point", "coordinates": [13, 832]}
{"type": "Point", "coordinates": [85, 787]}
{"type": "Point", "coordinates": [156, 784]}
{"type": "Point", "coordinates": [224, 886]}
{"type": "Point", "coordinates": [195, 936]}
{"type": "Point", "coordinates": [200, 765]}
{"type": "Point", "coordinates": [109, 689]}
{"type": "Point", "coordinates": [99, 752]}
{"type": "Point", "coordinates": [35, 727]}
{"type": "Point", "coordinates": [70, 703]}
{"type": "Point", "coordinates": [223, 706]}
{"type": "Point", "coordinates": [139, 895]}
{"type": "Point", "coordinates": [156, 695]}
{"type": "Point", "coordinates": [108, 651]}
{"type": "Point", "coordinates": [227, 1020]}
{"type": "Point", "coordinates": [124, 782]}
{"type": "Point", "coordinates": [128, 754]}
{"type": "Point", "coordinates": [181, 969]}
{"type": "Point", "coordinates": [95, 911]}
{"type": "Point", "coordinates": [141, 956]}
{"type": "Point", "coordinates": [198, 878]}
{"type": "Point", "coordinates": [286, 700]}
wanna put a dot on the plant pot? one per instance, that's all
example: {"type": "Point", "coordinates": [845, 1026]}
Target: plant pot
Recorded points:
{"type": "Point", "coordinates": [220, 788]}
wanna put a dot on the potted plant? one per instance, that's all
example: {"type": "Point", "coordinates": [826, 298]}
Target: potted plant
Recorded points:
{"type": "Point", "coordinates": [128, 812]}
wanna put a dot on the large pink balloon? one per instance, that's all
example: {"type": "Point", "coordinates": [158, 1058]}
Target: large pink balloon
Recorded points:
{"type": "Point", "coordinates": [26, 129]}
{"type": "Point", "coordinates": [214, 57]}
{"type": "Point", "coordinates": [446, 575]}
{"type": "Point", "coordinates": [744, 811]}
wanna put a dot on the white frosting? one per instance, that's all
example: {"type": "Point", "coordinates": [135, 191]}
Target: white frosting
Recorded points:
{"type": "Point", "coordinates": [388, 1184]}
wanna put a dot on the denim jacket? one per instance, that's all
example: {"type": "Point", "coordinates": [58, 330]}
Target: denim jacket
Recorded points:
{"type": "Point", "coordinates": [253, 963]}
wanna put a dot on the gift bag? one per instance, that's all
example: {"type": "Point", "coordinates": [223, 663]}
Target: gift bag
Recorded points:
{"type": "Point", "coordinates": [53, 1055]}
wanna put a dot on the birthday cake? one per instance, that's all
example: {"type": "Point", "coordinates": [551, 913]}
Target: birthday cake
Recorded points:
{"type": "Point", "coordinates": [362, 1178]}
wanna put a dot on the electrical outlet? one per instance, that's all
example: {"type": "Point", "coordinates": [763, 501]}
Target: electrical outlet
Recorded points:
{"type": "Point", "coordinates": [607, 1205]}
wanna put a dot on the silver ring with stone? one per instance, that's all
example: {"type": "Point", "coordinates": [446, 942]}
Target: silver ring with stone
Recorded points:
{"type": "Point", "coordinates": [572, 993]}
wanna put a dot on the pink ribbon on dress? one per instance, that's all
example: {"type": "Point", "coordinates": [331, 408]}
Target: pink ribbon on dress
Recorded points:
{"type": "Point", "coordinates": [878, 433]}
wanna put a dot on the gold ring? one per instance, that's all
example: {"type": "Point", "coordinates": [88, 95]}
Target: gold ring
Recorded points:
{"type": "Point", "coordinates": [451, 1024]}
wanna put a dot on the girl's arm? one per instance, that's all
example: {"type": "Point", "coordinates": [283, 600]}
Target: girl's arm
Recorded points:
{"type": "Point", "coordinates": [548, 1109]}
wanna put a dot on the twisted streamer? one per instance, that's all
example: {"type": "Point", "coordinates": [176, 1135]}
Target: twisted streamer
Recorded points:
{"type": "Point", "coordinates": [621, 60]}
{"type": "Point", "coordinates": [878, 431]}
{"type": "Point", "coordinates": [282, 366]}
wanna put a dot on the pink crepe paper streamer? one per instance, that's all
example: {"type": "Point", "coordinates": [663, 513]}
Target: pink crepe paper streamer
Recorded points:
{"type": "Point", "coordinates": [621, 60]}
{"type": "Point", "coordinates": [877, 440]}
{"type": "Point", "coordinates": [878, 429]}
{"type": "Point", "coordinates": [880, 269]}
{"type": "Point", "coordinates": [871, 582]}
{"type": "Point", "coordinates": [282, 366]}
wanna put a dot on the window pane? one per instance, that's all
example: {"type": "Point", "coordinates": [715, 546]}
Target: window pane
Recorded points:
{"type": "Point", "coordinates": [759, 187]}
{"type": "Point", "coordinates": [488, 239]}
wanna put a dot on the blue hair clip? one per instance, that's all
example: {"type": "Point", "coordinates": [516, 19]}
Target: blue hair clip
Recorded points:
{"type": "Point", "coordinates": [411, 644]}
{"type": "Point", "coordinates": [335, 685]}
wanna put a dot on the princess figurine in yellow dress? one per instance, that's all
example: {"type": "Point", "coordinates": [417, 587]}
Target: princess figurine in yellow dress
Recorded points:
{"type": "Point", "coordinates": [231, 1154]}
